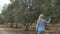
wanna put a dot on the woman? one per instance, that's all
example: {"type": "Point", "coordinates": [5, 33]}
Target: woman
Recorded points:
{"type": "Point", "coordinates": [40, 27]}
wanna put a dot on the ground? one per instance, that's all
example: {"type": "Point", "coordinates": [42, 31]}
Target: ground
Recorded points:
{"type": "Point", "coordinates": [54, 29]}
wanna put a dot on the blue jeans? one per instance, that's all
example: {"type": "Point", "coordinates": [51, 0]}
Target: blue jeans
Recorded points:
{"type": "Point", "coordinates": [41, 32]}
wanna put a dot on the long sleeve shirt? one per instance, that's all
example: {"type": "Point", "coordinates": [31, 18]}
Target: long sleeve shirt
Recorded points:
{"type": "Point", "coordinates": [40, 24]}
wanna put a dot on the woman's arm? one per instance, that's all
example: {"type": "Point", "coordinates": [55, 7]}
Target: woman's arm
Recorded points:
{"type": "Point", "coordinates": [48, 20]}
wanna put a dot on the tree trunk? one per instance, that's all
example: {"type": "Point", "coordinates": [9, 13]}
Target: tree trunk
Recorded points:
{"type": "Point", "coordinates": [16, 25]}
{"type": "Point", "coordinates": [27, 28]}
{"type": "Point", "coordinates": [11, 25]}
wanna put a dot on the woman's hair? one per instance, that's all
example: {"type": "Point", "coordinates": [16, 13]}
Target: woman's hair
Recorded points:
{"type": "Point", "coordinates": [40, 16]}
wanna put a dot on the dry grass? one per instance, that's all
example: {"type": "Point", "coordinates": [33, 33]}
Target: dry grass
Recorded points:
{"type": "Point", "coordinates": [53, 29]}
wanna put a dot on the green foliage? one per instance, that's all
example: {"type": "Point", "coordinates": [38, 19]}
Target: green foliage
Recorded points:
{"type": "Point", "coordinates": [51, 9]}
{"type": "Point", "coordinates": [17, 12]}
{"type": "Point", "coordinates": [1, 19]}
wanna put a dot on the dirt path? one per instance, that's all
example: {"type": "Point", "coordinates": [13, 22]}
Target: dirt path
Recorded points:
{"type": "Point", "coordinates": [3, 31]}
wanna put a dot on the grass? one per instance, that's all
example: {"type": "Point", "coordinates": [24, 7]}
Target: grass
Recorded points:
{"type": "Point", "coordinates": [32, 30]}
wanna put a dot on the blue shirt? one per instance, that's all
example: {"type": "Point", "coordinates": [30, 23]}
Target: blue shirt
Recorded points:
{"type": "Point", "coordinates": [40, 24]}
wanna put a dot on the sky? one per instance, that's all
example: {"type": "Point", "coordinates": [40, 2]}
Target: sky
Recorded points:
{"type": "Point", "coordinates": [2, 3]}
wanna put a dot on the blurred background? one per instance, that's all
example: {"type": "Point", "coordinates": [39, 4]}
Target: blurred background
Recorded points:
{"type": "Point", "coordinates": [20, 16]}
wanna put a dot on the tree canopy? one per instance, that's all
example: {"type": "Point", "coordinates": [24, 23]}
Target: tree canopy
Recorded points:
{"type": "Point", "coordinates": [18, 11]}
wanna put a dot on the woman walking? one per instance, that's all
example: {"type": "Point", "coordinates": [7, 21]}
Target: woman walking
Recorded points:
{"type": "Point", "coordinates": [40, 27]}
